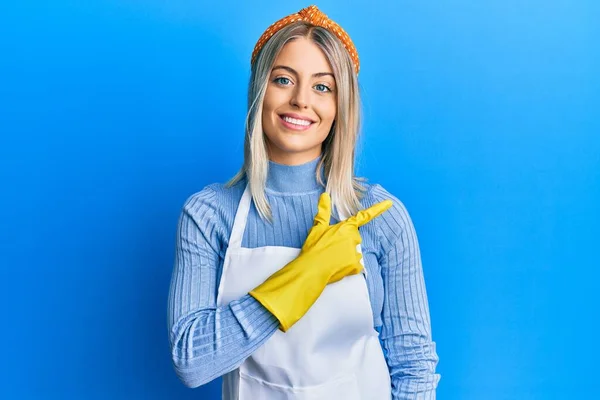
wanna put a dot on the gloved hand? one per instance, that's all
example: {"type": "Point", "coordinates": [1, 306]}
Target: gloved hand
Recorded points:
{"type": "Point", "coordinates": [329, 253]}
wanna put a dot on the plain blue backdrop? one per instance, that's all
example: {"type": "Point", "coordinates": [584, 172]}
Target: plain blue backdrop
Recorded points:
{"type": "Point", "coordinates": [481, 116]}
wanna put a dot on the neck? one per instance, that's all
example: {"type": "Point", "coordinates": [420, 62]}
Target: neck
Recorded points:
{"type": "Point", "coordinates": [299, 178]}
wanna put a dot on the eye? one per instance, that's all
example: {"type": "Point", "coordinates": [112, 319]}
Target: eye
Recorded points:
{"type": "Point", "coordinates": [281, 80]}
{"type": "Point", "coordinates": [323, 88]}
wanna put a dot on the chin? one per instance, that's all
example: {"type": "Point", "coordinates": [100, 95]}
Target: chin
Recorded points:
{"type": "Point", "coordinates": [293, 149]}
{"type": "Point", "coordinates": [295, 141]}
{"type": "Point", "coordinates": [290, 148]}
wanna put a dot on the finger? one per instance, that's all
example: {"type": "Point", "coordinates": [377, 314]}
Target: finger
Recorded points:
{"type": "Point", "coordinates": [364, 216]}
{"type": "Point", "coordinates": [323, 210]}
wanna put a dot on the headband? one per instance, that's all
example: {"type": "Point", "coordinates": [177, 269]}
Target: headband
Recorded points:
{"type": "Point", "coordinates": [314, 16]}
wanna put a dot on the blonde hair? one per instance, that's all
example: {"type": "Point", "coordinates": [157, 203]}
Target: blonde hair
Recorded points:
{"type": "Point", "coordinates": [338, 149]}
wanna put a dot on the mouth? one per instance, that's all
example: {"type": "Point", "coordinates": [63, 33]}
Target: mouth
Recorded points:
{"type": "Point", "coordinates": [294, 123]}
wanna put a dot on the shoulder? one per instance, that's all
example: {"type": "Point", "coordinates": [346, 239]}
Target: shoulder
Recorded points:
{"type": "Point", "coordinates": [215, 199]}
{"type": "Point", "coordinates": [395, 223]}
{"type": "Point", "coordinates": [376, 193]}
{"type": "Point", "coordinates": [207, 215]}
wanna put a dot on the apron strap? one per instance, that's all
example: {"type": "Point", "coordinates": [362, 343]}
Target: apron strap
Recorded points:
{"type": "Point", "coordinates": [241, 216]}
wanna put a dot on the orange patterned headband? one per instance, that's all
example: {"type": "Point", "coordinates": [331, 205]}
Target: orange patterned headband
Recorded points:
{"type": "Point", "coordinates": [314, 16]}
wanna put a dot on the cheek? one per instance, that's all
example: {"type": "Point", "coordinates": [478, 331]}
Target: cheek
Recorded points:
{"type": "Point", "coordinates": [267, 103]}
{"type": "Point", "coordinates": [273, 99]}
{"type": "Point", "coordinates": [268, 111]}
{"type": "Point", "coordinates": [328, 111]}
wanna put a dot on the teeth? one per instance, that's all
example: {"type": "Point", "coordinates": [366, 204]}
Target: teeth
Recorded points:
{"type": "Point", "coordinates": [296, 121]}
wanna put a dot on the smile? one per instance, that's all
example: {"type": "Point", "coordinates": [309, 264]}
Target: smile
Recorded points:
{"type": "Point", "coordinates": [295, 124]}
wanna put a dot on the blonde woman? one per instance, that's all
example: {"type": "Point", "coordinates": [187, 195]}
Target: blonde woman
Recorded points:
{"type": "Point", "coordinates": [297, 280]}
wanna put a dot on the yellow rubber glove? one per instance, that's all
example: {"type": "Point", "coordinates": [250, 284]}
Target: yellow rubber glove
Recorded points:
{"type": "Point", "coordinates": [328, 255]}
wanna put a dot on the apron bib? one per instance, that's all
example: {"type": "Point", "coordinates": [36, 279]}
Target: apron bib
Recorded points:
{"type": "Point", "coordinates": [332, 352]}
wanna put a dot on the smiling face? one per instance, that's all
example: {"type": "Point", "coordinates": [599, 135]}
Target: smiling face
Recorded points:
{"type": "Point", "coordinates": [299, 107]}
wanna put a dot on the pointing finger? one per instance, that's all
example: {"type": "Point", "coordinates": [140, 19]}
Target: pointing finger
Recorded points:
{"type": "Point", "coordinates": [323, 210]}
{"type": "Point", "coordinates": [364, 216]}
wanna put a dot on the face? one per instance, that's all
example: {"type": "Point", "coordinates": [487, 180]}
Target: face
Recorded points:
{"type": "Point", "coordinates": [299, 107]}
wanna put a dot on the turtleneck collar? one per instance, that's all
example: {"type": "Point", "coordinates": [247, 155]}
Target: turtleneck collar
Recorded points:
{"type": "Point", "coordinates": [293, 178]}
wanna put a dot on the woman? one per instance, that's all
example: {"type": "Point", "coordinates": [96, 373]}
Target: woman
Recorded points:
{"type": "Point", "coordinates": [275, 298]}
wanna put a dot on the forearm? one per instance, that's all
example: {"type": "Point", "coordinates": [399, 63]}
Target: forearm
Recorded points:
{"type": "Point", "coordinates": [412, 368]}
{"type": "Point", "coordinates": [413, 389]}
{"type": "Point", "coordinates": [209, 343]}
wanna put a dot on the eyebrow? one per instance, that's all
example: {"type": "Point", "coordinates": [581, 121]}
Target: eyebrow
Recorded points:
{"type": "Point", "coordinates": [293, 71]}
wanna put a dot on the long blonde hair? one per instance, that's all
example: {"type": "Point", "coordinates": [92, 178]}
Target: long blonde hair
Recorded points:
{"type": "Point", "coordinates": [338, 149]}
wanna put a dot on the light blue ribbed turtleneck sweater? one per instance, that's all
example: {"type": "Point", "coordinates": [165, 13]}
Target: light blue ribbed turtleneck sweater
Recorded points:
{"type": "Point", "coordinates": [208, 341]}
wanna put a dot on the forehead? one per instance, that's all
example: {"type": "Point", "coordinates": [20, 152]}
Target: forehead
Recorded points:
{"type": "Point", "coordinates": [304, 56]}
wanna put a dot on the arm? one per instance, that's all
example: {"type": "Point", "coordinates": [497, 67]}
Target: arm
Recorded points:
{"type": "Point", "coordinates": [207, 341]}
{"type": "Point", "coordinates": [406, 331]}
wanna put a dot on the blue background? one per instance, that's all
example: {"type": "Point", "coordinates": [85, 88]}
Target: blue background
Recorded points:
{"type": "Point", "coordinates": [482, 117]}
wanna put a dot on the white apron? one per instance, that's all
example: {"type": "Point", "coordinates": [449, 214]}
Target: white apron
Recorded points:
{"type": "Point", "coordinates": [331, 353]}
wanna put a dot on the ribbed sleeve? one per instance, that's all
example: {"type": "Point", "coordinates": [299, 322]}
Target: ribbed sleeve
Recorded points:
{"type": "Point", "coordinates": [406, 331]}
{"type": "Point", "coordinates": [208, 341]}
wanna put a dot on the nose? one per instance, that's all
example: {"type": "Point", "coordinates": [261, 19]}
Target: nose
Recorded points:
{"type": "Point", "coordinates": [300, 97]}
